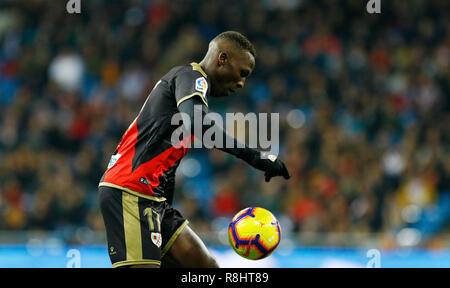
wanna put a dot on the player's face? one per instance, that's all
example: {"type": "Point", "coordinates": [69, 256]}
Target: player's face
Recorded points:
{"type": "Point", "coordinates": [233, 72]}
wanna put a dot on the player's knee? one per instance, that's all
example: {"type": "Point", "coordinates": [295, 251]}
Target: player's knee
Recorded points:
{"type": "Point", "coordinates": [206, 260]}
{"type": "Point", "coordinates": [212, 262]}
{"type": "Point", "coordinates": [202, 257]}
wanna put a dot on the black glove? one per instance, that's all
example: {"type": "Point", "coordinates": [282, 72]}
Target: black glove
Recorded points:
{"type": "Point", "coordinates": [270, 164]}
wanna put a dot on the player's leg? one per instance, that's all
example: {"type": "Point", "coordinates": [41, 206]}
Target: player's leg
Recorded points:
{"type": "Point", "coordinates": [188, 250]}
{"type": "Point", "coordinates": [181, 247]}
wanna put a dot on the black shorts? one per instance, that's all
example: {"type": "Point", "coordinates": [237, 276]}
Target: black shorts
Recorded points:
{"type": "Point", "coordinates": [138, 230]}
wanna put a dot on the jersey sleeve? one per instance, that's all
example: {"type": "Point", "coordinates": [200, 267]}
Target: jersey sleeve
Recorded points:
{"type": "Point", "coordinates": [191, 84]}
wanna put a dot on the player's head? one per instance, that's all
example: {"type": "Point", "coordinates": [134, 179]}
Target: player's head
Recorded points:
{"type": "Point", "coordinates": [229, 61]}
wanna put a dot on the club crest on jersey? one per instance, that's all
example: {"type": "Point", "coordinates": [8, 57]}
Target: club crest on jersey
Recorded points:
{"type": "Point", "coordinates": [201, 85]}
{"type": "Point", "coordinates": [156, 239]}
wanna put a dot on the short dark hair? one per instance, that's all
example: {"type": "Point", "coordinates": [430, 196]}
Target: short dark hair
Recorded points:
{"type": "Point", "coordinates": [239, 39]}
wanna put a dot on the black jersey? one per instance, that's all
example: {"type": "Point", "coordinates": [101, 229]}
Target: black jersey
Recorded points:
{"type": "Point", "coordinates": [145, 160]}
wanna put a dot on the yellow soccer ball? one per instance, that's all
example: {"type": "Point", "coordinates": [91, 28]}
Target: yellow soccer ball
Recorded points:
{"type": "Point", "coordinates": [254, 233]}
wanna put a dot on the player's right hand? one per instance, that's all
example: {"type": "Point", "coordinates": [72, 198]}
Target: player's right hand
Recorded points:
{"type": "Point", "coordinates": [270, 164]}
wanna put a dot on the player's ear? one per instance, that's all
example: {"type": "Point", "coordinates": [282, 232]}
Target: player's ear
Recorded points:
{"type": "Point", "coordinates": [222, 59]}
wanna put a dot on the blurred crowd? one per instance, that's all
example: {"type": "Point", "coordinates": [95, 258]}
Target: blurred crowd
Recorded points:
{"type": "Point", "coordinates": [363, 102]}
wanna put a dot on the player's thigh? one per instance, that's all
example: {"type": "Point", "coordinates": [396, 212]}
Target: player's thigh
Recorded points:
{"type": "Point", "coordinates": [188, 250]}
{"type": "Point", "coordinates": [132, 228]}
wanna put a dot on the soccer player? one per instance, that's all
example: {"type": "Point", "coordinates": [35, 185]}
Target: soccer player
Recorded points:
{"type": "Point", "coordinates": [136, 191]}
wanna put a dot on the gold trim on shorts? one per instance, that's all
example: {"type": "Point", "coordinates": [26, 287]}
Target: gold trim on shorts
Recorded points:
{"type": "Point", "coordinates": [135, 262]}
{"type": "Point", "coordinates": [173, 238]}
{"type": "Point", "coordinates": [153, 198]}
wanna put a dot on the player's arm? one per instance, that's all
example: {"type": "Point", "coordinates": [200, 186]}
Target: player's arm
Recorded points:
{"type": "Point", "coordinates": [272, 166]}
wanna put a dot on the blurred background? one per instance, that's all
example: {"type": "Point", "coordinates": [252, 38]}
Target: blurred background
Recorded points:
{"type": "Point", "coordinates": [364, 125]}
